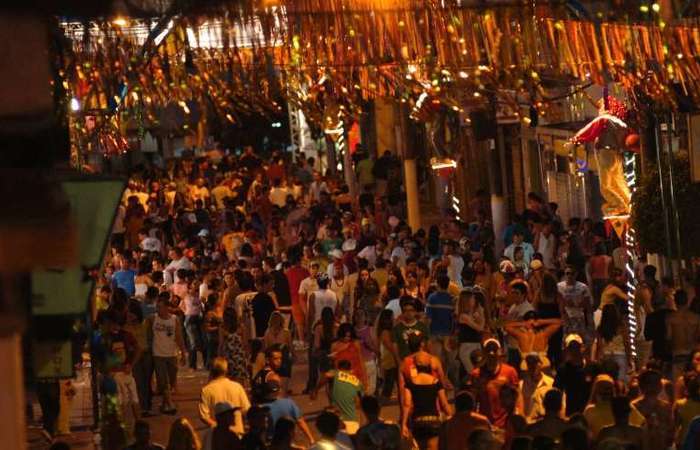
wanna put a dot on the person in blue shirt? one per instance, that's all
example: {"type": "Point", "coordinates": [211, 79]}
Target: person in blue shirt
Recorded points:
{"type": "Point", "coordinates": [439, 311]}
{"type": "Point", "coordinates": [283, 407]}
{"type": "Point", "coordinates": [124, 278]}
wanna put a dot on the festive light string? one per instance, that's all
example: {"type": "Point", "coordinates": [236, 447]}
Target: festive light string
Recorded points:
{"type": "Point", "coordinates": [630, 248]}
{"type": "Point", "coordinates": [390, 51]}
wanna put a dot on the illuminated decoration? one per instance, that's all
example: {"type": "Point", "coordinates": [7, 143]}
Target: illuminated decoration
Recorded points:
{"type": "Point", "coordinates": [240, 60]}
{"type": "Point", "coordinates": [631, 249]}
{"type": "Point", "coordinates": [616, 169]}
{"type": "Point", "coordinates": [455, 207]}
{"type": "Point", "coordinates": [607, 131]}
{"type": "Point", "coordinates": [442, 163]}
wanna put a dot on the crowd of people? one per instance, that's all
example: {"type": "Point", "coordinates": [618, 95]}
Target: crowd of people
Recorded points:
{"type": "Point", "coordinates": [526, 340]}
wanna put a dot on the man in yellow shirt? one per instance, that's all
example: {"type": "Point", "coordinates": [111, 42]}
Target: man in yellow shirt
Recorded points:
{"type": "Point", "coordinates": [599, 412]}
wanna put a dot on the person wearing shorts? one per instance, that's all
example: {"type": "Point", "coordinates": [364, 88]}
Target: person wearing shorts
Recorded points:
{"type": "Point", "coordinates": [166, 341]}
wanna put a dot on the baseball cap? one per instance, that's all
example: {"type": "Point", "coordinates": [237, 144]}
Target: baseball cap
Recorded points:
{"type": "Point", "coordinates": [490, 341]}
{"type": "Point", "coordinates": [506, 267]}
{"type": "Point", "coordinates": [223, 407]}
{"type": "Point", "coordinates": [336, 253]}
{"type": "Point", "coordinates": [573, 337]}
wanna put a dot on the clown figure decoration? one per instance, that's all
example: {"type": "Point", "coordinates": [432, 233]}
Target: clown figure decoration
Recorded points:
{"type": "Point", "coordinates": [608, 132]}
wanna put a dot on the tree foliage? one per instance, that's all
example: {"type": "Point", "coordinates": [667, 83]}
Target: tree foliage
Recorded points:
{"type": "Point", "coordinates": [648, 213]}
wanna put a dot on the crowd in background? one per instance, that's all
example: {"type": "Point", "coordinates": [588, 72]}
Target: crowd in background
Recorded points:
{"type": "Point", "coordinates": [525, 340]}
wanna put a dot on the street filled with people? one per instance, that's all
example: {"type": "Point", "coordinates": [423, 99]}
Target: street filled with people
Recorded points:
{"type": "Point", "coordinates": [248, 267]}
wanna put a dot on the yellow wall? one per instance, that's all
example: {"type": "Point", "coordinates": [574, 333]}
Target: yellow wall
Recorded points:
{"type": "Point", "coordinates": [386, 120]}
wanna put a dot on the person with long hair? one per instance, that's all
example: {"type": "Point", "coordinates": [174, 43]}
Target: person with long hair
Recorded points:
{"type": "Point", "coordinates": [424, 401]}
{"type": "Point", "coordinates": [183, 436]}
{"type": "Point", "coordinates": [483, 278]}
{"type": "Point", "coordinates": [471, 323]}
{"type": "Point", "coordinates": [278, 334]}
{"type": "Point", "coordinates": [368, 345]}
{"type": "Point", "coordinates": [347, 347]}
{"type": "Point", "coordinates": [231, 347]}
{"type": "Point", "coordinates": [388, 355]}
{"type": "Point", "coordinates": [412, 287]}
{"type": "Point", "coordinates": [367, 295]}
{"type": "Point", "coordinates": [213, 318]}
{"type": "Point", "coordinates": [323, 333]}
{"type": "Point", "coordinates": [611, 341]}
{"type": "Point", "coordinates": [142, 280]}
{"type": "Point", "coordinates": [691, 369]}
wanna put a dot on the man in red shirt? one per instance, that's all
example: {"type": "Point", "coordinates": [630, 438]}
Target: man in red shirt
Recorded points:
{"type": "Point", "coordinates": [487, 381]}
{"type": "Point", "coordinates": [295, 275]}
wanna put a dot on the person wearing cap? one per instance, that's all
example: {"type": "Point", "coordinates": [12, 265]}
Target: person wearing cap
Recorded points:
{"type": "Point", "coordinates": [535, 278]}
{"type": "Point", "coordinates": [533, 387]}
{"type": "Point", "coordinates": [336, 256]}
{"type": "Point", "coordinates": [221, 436]}
{"type": "Point", "coordinates": [283, 407]}
{"type": "Point", "coordinates": [488, 379]}
{"type": "Point", "coordinates": [575, 376]}
{"type": "Point", "coordinates": [221, 390]}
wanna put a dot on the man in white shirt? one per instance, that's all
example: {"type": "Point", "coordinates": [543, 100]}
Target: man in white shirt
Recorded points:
{"type": "Point", "coordinates": [308, 286]}
{"type": "Point", "coordinates": [546, 244]}
{"type": "Point", "coordinates": [370, 254]}
{"type": "Point", "coordinates": [337, 256]}
{"type": "Point", "coordinates": [316, 187]}
{"type": "Point", "coordinates": [456, 264]}
{"type": "Point", "coordinates": [179, 261]}
{"type": "Point", "coordinates": [149, 244]}
{"type": "Point", "coordinates": [398, 254]}
{"type": "Point", "coordinates": [221, 389]}
{"type": "Point", "coordinates": [519, 241]}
